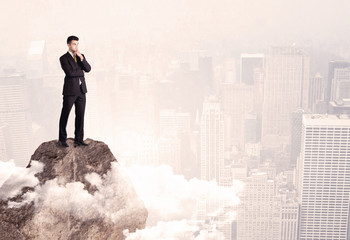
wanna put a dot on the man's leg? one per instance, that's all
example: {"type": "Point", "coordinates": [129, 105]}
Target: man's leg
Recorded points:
{"type": "Point", "coordinates": [68, 102]}
{"type": "Point", "coordinates": [80, 103]}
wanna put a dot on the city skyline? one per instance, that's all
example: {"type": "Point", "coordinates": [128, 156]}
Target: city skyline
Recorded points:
{"type": "Point", "coordinates": [232, 117]}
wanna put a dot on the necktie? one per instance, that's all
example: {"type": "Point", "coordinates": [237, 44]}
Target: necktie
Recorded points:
{"type": "Point", "coordinates": [75, 58]}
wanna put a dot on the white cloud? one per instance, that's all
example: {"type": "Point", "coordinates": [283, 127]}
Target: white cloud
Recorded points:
{"type": "Point", "coordinates": [13, 179]}
{"type": "Point", "coordinates": [112, 200]}
{"type": "Point", "coordinates": [174, 230]}
{"type": "Point", "coordinates": [170, 199]}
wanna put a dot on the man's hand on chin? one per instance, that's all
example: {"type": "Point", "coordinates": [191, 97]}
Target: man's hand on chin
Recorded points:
{"type": "Point", "coordinates": [79, 55]}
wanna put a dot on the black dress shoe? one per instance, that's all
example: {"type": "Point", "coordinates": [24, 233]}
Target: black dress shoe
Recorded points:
{"type": "Point", "coordinates": [80, 143]}
{"type": "Point", "coordinates": [63, 144]}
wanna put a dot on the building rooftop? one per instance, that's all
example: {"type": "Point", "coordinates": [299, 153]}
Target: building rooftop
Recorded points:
{"type": "Point", "coordinates": [326, 119]}
{"type": "Point", "coordinates": [345, 102]}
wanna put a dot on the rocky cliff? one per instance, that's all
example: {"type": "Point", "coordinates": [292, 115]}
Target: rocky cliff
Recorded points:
{"type": "Point", "coordinates": [70, 193]}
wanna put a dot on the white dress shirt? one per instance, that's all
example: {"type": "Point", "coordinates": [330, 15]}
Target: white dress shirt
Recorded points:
{"type": "Point", "coordinates": [74, 60]}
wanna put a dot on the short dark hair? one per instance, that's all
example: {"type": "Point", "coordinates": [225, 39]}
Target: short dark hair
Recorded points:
{"type": "Point", "coordinates": [70, 38]}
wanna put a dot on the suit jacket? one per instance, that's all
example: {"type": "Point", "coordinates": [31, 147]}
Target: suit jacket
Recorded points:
{"type": "Point", "coordinates": [74, 72]}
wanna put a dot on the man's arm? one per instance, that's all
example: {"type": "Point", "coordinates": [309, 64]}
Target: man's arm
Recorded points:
{"type": "Point", "coordinates": [68, 70]}
{"type": "Point", "coordinates": [86, 65]}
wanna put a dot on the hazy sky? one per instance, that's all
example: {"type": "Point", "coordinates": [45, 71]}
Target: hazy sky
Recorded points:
{"type": "Point", "coordinates": [171, 26]}
{"type": "Point", "coordinates": [176, 23]}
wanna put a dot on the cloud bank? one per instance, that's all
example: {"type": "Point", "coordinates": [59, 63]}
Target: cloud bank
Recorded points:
{"type": "Point", "coordinates": [170, 199]}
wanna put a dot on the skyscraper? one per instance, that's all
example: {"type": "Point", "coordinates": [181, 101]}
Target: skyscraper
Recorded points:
{"type": "Point", "coordinates": [212, 163]}
{"type": "Point", "coordinates": [324, 177]}
{"type": "Point", "coordinates": [297, 117]}
{"type": "Point", "coordinates": [260, 209]}
{"type": "Point", "coordinates": [212, 139]}
{"type": "Point", "coordinates": [249, 62]}
{"type": "Point", "coordinates": [285, 90]}
{"type": "Point", "coordinates": [15, 113]}
{"type": "Point", "coordinates": [237, 102]}
{"type": "Point", "coordinates": [331, 67]}
{"type": "Point", "coordinates": [341, 84]}
{"type": "Point", "coordinates": [316, 91]}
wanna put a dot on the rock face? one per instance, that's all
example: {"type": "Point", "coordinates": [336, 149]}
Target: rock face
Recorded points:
{"type": "Point", "coordinates": [81, 193]}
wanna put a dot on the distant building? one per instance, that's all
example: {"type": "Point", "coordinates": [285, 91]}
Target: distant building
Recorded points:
{"type": "Point", "coordinates": [331, 69]}
{"type": "Point", "coordinates": [286, 89]}
{"type": "Point", "coordinates": [212, 139]}
{"type": "Point", "coordinates": [4, 137]}
{"type": "Point", "coordinates": [339, 106]}
{"type": "Point", "coordinates": [37, 64]}
{"type": "Point", "coordinates": [213, 165]}
{"type": "Point", "coordinates": [259, 212]}
{"type": "Point", "coordinates": [341, 84]}
{"type": "Point", "coordinates": [316, 91]}
{"type": "Point", "coordinates": [16, 114]}
{"type": "Point", "coordinates": [249, 62]}
{"type": "Point", "coordinates": [237, 103]}
{"type": "Point", "coordinates": [296, 124]}
{"type": "Point", "coordinates": [267, 210]}
{"type": "Point", "coordinates": [171, 120]}
{"type": "Point", "coordinates": [251, 129]}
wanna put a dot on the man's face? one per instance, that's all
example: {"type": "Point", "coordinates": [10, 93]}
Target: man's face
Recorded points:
{"type": "Point", "coordinates": [73, 45]}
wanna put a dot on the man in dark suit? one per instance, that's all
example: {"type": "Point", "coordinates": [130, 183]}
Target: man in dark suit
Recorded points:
{"type": "Point", "coordinates": [74, 64]}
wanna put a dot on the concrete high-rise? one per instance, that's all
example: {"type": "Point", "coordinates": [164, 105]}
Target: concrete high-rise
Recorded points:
{"type": "Point", "coordinates": [324, 177]}
{"type": "Point", "coordinates": [286, 89]}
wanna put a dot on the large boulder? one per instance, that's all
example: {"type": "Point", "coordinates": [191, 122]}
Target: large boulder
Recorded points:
{"type": "Point", "coordinates": [70, 193]}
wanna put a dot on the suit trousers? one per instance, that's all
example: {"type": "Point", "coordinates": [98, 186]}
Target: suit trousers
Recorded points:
{"type": "Point", "coordinates": [79, 102]}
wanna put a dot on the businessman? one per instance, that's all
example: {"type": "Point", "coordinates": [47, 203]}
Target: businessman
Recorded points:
{"type": "Point", "coordinates": [74, 64]}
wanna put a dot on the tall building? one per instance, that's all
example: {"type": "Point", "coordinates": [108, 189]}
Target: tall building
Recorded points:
{"type": "Point", "coordinates": [205, 70]}
{"type": "Point", "coordinates": [289, 220]}
{"type": "Point", "coordinates": [173, 121]}
{"type": "Point", "coordinates": [259, 212]}
{"type": "Point", "coordinates": [341, 84]}
{"type": "Point", "coordinates": [316, 91]}
{"type": "Point", "coordinates": [249, 62]}
{"type": "Point", "coordinates": [324, 177]}
{"type": "Point", "coordinates": [148, 153]}
{"type": "Point", "coordinates": [268, 209]}
{"type": "Point", "coordinates": [230, 75]}
{"type": "Point", "coordinates": [37, 64]}
{"type": "Point", "coordinates": [212, 159]}
{"type": "Point", "coordinates": [251, 129]}
{"type": "Point", "coordinates": [296, 123]}
{"type": "Point", "coordinates": [212, 139]}
{"type": "Point", "coordinates": [331, 68]}
{"type": "Point", "coordinates": [15, 113]}
{"type": "Point", "coordinates": [259, 76]}
{"type": "Point", "coordinates": [169, 151]}
{"type": "Point", "coordinates": [237, 103]}
{"type": "Point", "coordinates": [173, 126]}
{"type": "Point", "coordinates": [4, 136]}
{"type": "Point", "coordinates": [286, 89]}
